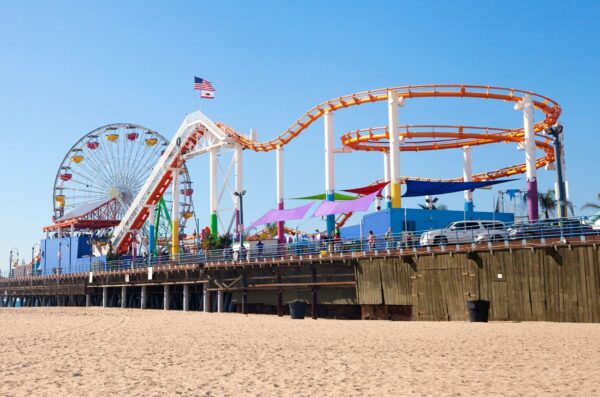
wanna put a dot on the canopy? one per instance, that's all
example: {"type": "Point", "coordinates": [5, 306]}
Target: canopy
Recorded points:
{"type": "Point", "coordinates": [276, 215]}
{"type": "Point", "coordinates": [365, 190]}
{"type": "Point", "coordinates": [428, 188]}
{"type": "Point", "coordinates": [344, 207]}
{"type": "Point", "coordinates": [336, 197]}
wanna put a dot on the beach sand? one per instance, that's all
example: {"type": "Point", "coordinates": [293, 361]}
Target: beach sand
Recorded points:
{"type": "Point", "coordinates": [99, 352]}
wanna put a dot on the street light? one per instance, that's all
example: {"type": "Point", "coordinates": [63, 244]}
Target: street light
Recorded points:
{"type": "Point", "coordinates": [14, 252]}
{"type": "Point", "coordinates": [556, 133]}
{"type": "Point", "coordinates": [240, 196]}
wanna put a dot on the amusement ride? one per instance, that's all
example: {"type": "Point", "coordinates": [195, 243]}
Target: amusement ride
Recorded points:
{"type": "Point", "coordinates": [130, 185]}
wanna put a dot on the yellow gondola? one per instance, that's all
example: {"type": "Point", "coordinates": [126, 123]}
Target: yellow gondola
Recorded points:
{"type": "Point", "coordinates": [112, 137]}
{"type": "Point", "coordinates": [77, 158]}
{"type": "Point", "coordinates": [151, 141]}
{"type": "Point", "coordinates": [187, 214]}
{"type": "Point", "coordinates": [60, 199]}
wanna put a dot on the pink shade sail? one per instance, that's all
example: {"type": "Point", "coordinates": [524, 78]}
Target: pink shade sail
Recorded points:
{"type": "Point", "coordinates": [344, 207]}
{"type": "Point", "coordinates": [276, 215]}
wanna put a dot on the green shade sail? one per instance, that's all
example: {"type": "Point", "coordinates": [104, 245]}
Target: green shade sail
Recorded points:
{"type": "Point", "coordinates": [336, 197]}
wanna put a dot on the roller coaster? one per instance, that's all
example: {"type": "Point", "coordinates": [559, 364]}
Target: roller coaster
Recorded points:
{"type": "Point", "coordinates": [135, 225]}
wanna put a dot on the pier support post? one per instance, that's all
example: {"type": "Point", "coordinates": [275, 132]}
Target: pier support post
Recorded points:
{"type": "Point", "coordinates": [88, 300]}
{"type": "Point", "coordinates": [220, 301]}
{"type": "Point", "coordinates": [186, 297]}
{"type": "Point", "coordinates": [244, 295]}
{"type": "Point", "coordinates": [123, 296]}
{"type": "Point", "coordinates": [279, 297]}
{"type": "Point", "coordinates": [144, 297]}
{"type": "Point", "coordinates": [104, 296]}
{"type": "Point", "coordinates": [166, 298]}
{"type": "Point", "coordinates": [205, 298]}
{"type": "Point", "coordinates": [314, 294]}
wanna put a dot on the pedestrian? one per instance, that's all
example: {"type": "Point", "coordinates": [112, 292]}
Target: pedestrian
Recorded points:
{"type": "Point", "coordinates": [259, 248]}
{"type": "Point", "coordinates": [371, 240]}
{"type": "Point", "coordinates": [389, 239]}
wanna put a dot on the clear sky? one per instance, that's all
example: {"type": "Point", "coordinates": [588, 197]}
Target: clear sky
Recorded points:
{"type": "Point", "coordinates": [67, 68]}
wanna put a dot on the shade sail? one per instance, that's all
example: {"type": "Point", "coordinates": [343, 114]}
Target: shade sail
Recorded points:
{"type": "Point", "coordinates": [428, 188]}
{"type": "Point", "coordinates": [276, 215]}
{"type": "Point", "coordinates": [365, 190]}
{"type": "Point", "coordinates": [344, 207]}
{"type": "Point", "coordinates": [336, 197]}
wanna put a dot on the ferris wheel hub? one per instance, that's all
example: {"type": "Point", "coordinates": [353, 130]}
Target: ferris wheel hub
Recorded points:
{"type": "Point", "coordinates": [121, 193]}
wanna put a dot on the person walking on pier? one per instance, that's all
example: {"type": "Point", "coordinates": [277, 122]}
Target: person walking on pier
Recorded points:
{"type": "Point", "coordinates": [371, 240]}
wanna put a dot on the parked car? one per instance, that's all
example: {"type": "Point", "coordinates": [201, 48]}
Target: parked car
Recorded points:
{"type": "Point", "coordinates": [494, 231]}
{"type": "Point", "coordinates": [550, 228]}
{"type": "Point", "coordinates": [463, 232]}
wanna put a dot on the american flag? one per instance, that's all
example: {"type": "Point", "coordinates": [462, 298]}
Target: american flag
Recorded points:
{"type": "Point", "coordinates": [205, 87]}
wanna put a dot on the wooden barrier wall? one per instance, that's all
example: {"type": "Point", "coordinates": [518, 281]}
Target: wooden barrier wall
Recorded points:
{"type": "Point", "coordinates": [542, 284]}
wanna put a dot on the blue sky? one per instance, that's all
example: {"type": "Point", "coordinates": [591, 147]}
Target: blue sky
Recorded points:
{"type": "Point", "coordinates": [69, 67]}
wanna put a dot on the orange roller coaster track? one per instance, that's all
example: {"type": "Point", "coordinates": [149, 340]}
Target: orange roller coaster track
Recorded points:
{"type": "Point", "coordinates": [439, 137]}
{"type": "Point", "coordinates": [550, 108]}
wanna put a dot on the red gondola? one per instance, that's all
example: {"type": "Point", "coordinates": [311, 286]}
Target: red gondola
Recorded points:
{"type": "Point", "coordinates": [92, 145]}
{"type": "Point", "coordinates": [132, 136]}
{"type": "Point", "coordinates": [187, 192]}
{"type": "Point", "coordinates": [65, 177]}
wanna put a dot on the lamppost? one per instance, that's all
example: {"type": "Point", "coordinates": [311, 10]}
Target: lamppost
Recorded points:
{"type": "Point", "coordinates": [14, 253]}
{"type": "Point", "coordinates": [556, 133]}
{"type": "Point", "coordinates": [240, 196]}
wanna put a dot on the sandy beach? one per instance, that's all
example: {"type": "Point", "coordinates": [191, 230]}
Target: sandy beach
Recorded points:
{"type": "Point", "coordinates": [98, 352]}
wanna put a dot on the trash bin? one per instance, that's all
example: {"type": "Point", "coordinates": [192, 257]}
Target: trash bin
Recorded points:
{"type": "Point", "coordinates": [478, 311]}
{"type": "Point", "coordinates": [297, 309]}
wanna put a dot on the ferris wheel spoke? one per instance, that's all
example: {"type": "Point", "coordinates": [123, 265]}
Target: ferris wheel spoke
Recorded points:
{"type": "Point", "coordinates": [90, 175]}
{"type": "Point", "coordinates": [84, 191]}
{"type": "Point", "coordinates": [99, 167]}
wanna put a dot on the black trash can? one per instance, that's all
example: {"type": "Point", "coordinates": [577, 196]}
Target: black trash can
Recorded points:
{"type": "Point", "coordinates": [478, 311]}
{"type": "Point", "coordinates": [297, 309]}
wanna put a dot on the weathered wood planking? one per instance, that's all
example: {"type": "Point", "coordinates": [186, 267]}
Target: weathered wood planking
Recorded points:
{"type": "Point", "coordinates": [542, 284]}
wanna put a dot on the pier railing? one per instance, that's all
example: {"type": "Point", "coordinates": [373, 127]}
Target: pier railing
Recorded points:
{"type": "Point", "coordinates": [494, 236]}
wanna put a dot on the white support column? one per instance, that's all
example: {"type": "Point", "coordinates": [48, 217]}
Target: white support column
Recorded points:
{"type": "Point", "coordinates": [280, 205]}
{"type": "Point", "coordinates": [329, 167]}
{"type": "Point", "coordinates": [175, 215]}
{"type": "Point", "coordinates": [205, 298]}
{"type": "Point", "coordinates": [220, 307]}
{"type": "Point", "coordinates": [213, 193]}
{"type": "Point", "coordinates": [386, 178]}
{"type": "Point", "coordinates": [468, 177]}
{"type": "Point", "coordinates": [186, 297]}
{"type": "Point", "coordinates": [393, 104]}
{"type": "Point", "coordinates": [144, 297]}
{"type": "Point", "coordinates": [239, 183]}
{"type": "Point", "coordinates": [123, 296]}
{"type": "Point", "coordinates": [526, 105]}
{"type": "Point", "coordinates": [166, 298]}
{"type": "Point", "coordinates": [104, 296]}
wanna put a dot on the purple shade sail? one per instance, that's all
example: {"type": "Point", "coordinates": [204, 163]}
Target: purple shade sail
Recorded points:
{"type": "Point", "coordinates": [344, 207]}
{"type": "Point", "coordinates": [276, 215]}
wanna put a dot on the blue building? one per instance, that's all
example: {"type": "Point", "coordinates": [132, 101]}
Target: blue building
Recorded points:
{"type": "Point", "coordinates": [413, 219]}
{"type": "Point", "coordinates": [68, 255]}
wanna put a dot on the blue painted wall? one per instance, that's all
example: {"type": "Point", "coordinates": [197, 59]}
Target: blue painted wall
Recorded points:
{"type": "Point", "coordinates": [74, 255]}
{"type": "Point", "coordinates": [416, 220]}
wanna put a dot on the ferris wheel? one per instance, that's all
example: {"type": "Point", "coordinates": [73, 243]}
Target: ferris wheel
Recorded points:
{"type": "Point", "coordinates": [113, 162]}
